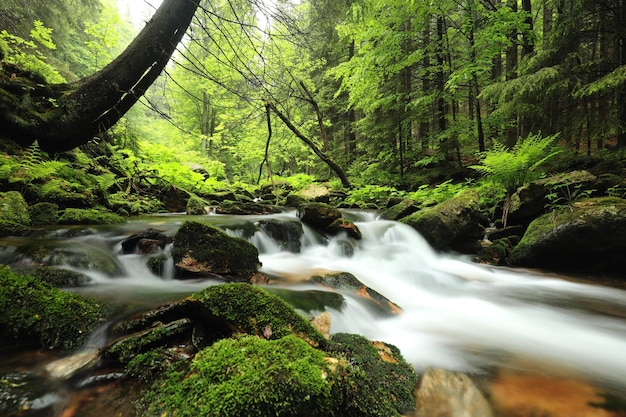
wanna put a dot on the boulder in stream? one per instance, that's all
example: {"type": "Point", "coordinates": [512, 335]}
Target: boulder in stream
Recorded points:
{"type": "Point", "coordinates": [286, 233]}
{"type": "Point", "coordinates": [35, 314]}
{"type": "Point", "coordinates": [327, 219]}
{"type": "Point", "coordinates": [586, 235]}
{"type": "Point", "coordinates": [203, 250]}
{"type": "Point", "coordinates": [456, 224]}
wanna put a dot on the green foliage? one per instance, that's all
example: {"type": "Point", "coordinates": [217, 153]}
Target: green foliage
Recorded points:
{"type": "Point", "coordinates": [248, 376]}
{"type": "Point", "coordinates": [26, 54]}
{"type": "Point", "coordinates": [565, 194]}
{"type": "Point", "coordinates": [515, 167]}
{"type": "Point", "coordinates": [372, 194]}
{"type": "Point", "coordinates": [437, 194]}
{"type": "Point", "coordinates": [36, 314]}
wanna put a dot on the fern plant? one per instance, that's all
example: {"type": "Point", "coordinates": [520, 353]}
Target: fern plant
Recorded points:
{"type": "Point", "coordinates": [512, 168]}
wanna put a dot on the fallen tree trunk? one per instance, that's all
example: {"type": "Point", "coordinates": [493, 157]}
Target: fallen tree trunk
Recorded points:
{"type": "Point", "coordinates": [62, 117]}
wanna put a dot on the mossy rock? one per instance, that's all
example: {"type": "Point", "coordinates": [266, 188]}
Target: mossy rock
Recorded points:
{"type": "Point", "coordinates": [318, 215]}
{"type": "Point", "coordinates": [44, 214]}
{"type": "Point", "coordinates": [75, 216]}
{"type": "Point", "coordinates": [206, 250]}
{"type": "Point", "coordinates": [196, 206]}
{"type": "Point", "coordinates": [249, 376]}
{"type": "Point", "coordinates": [383, 383]}
{"type": "Point", "coordinates": [253, 310]}
{"type": "Point", "coordinates": [246, 208]}
{"type": "Point", "coordinates": [55, 253]}
{"type": "Point", "coordinates": [451, 224]}
{"type": "Point", "coordinates": [588, 235]}
{"type": "Point", "coordinates": [399, 210]}
{"type": "Point", "coordinates": [36, 314]}
{"type": "Point", "coordinates": [14, 216]}
{"type": "Point", "coordinates": [60, 278]}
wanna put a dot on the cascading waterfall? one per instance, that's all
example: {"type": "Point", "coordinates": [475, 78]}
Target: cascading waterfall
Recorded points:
{"type": "Point", "coordinates": [455, 314]}
{"type": "Point", "coordinates": [462, 316]}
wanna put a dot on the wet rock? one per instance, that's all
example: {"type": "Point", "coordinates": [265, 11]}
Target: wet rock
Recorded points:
{"type": "Point", "coordinates": [456, 224]}
{"type": "Point", "coordinates": [146, 242]}
{"type": "Point", "coordinates": [175, 200]}
{"type": "Point", "coordinates": [318, 215]}
{"type": "Point", "coordinates": [25, 394]}
{"type": "Point", "coordinates": [286, 233]}
{"type": "Point", "coordinates": [529, 395]}
{"type": "Point", "coordinates": [127, 347]}
{"type": "Point", "coordinates": [588, 235]}
{"type": "Point", "coordinates": [204, 250]}
{"type": "Point", "coordinates": [344, 225]}
{"type": "Point", "coordinates": [53, 253]}
{"type": "Point", "coordinates": [347, 281]}
{"type": "Point", "coordinates": [67, 367]}
{"type": "Point", "coordinates": [449, 394]}
{"type": "Point", "coordinates": [327, 219]}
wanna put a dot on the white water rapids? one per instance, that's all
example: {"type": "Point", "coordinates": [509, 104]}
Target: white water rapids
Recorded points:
{"type": "Point", "coordinates": [456, 315]}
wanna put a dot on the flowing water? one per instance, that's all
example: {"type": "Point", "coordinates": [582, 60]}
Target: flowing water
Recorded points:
{"type": "Point", "coordinates": [455, 314]}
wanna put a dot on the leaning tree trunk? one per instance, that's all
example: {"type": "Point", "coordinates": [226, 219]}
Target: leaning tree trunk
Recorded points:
{"type": "Point", "coordinates": [62, 117]}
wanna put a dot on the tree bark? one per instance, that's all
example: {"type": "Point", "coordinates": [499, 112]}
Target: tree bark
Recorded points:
{"type": "Point", "coordinates": [62, 117]}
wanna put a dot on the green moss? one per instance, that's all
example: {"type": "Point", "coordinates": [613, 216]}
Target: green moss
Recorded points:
{"type": "Point", "coordinates": [249, 376]}
{"type": "Point", "coordinates": [60, 278]}
{"type": "Point", "coordinates": [44, 214]}
{"type": "Point", "coordinates": [254, 311]}
{"type": "Point", "coordinates": [380, 383]}
{"type": "Point", "coordinates": [36, 314]}
{"type": "Point", "coordinates": [14, 217]}
{"type": "Point", "coordinates": [214, 250]}
{"type": "Point", "coordinates": [89, 216]}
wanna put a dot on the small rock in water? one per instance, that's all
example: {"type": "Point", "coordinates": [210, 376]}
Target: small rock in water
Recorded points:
{"type": "Point", "coordinates": [450, 394]}
{"type": "Point", "coordinates": [67, 367]}
{"type": "Point", "coordinates": [322, 323]}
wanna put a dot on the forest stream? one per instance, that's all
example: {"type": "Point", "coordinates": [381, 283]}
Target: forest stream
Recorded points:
{"type": "Point", "coordinates": [456, 315]}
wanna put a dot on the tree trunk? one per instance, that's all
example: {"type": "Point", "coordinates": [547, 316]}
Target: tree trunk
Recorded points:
{"type": "Point", "coordinates": [62, 117]}
{"type": "Point", "coordinates": [332, 165]}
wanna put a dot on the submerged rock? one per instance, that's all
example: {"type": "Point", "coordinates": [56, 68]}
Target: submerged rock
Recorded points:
{"type": "Point", "coordinates": [145, 242]}
{"type": "Point", "coordinates": [286, 233]}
